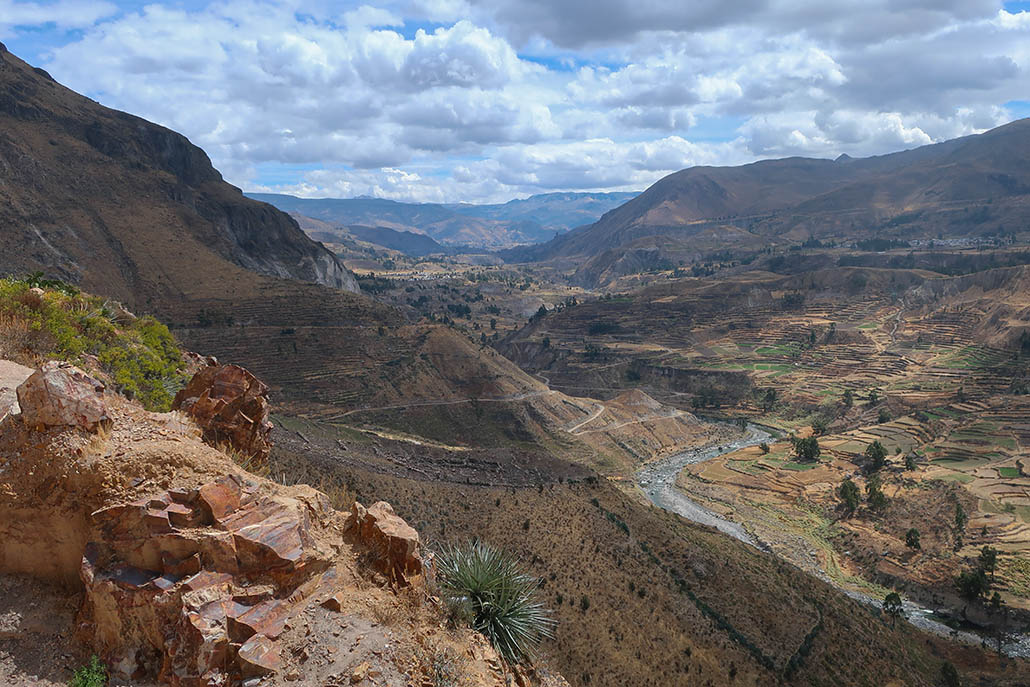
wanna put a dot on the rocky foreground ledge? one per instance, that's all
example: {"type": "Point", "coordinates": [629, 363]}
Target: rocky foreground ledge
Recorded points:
{"type": "Point", "coordinates": [196, 573]}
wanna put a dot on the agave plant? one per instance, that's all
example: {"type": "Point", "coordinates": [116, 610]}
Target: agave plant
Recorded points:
{"type": "Point", "coordinates": [492, 593]}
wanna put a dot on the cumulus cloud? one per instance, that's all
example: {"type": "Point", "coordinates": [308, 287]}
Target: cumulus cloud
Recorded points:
{"type": "Point", "coordinates": [483, 100]}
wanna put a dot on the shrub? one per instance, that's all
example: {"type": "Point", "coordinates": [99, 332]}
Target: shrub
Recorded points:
{"type": "Point", "coordinates": [876, 454]}
{"type": "Point", "coordinates": [488, 590]}
{"type": "Point", "coordinates": [93, 674]}
{"type": "Point", "coordinates": [140, 354]}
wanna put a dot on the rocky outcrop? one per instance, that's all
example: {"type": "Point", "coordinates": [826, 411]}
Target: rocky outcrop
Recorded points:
{"type": "Point", "coordinates": [62, 395]}
{"type": "Point", "coordinates": [231, 407]}
{"type": "Point", "coordinates": [392, 543]}
{"type": "Point", "coordinates": [196, 573]}
{"type": "Point", "coordinates": [197, 585]}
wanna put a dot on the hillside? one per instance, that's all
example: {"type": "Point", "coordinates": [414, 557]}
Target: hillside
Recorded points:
{"type": "Point", "coordinates": [130, 209]}
{"type": "Point", "coordinates": [534, 219]}
{"type": "Point", "coordinates": [976, 186]}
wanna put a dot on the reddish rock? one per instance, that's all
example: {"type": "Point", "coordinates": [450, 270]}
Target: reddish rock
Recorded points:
{"type": "Point", "coordinates": [204, 585]}
{"type": "Point", "coordinates": [259, 655]}
{"type": "Point", "coordinates": [62, 395]}
{"type": "Point", "coordinates": [392, 541]}
{"type": "Point", "coordinates": [231, 407]}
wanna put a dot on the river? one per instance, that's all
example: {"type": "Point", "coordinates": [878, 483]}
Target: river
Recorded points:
{"type": "Point", "coordinates": [658, 481]}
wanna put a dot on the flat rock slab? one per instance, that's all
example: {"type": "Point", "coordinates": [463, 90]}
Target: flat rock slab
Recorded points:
{"type": "Point", "coordinates": [11, 377]}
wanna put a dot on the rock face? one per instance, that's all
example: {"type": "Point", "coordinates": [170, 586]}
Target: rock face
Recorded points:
{"type": "Point", "coordinates": [231, 406]}
{"type": "Point", "coordinates": [197, 586]}
{"type": "Point", "coordinates": [391, 541]}
{"type": "Point", "coordinates": [62, 395]}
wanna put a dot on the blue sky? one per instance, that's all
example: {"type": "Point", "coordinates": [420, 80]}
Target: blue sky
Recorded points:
{"type": "Point", "coordinates": [487, 100]}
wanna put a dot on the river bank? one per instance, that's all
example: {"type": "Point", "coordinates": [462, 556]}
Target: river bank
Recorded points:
{"type": "Point", "coordinates": [658, 481]}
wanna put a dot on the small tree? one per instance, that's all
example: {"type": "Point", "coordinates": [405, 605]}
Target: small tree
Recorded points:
{"type": "Point", "coordinates": [874, 493]}
{"type": "Point", "coordinates": [949, 675]}
{"type": "Point", "coordinates": [893, 607]}
{"type": "Point", "coordinates": [819, 427]}
{"type": "Point", "coordinates": [763, 447]}
{"type": "Point", "coordinates": [807, 449]}
{"type": "Point", "coordinates": [884, 416]}
{"type": "Point", "coordinates": [769, 400]}
{"type": "Point", "coordinates": [960, 518]}
{"type": "Point", "coordinates": [910, 461]}
{"type": "Point", "coordinates": [849, 398]}
{"type": "Point", "coordinates": [972, 584]}
{"type": "Point", "coordinates": [849, 495]}
{"type": "Point", "coordinates": [988, 560]}
{"type": "Point", "coordinates": [912, 539]}
{"type": "Point", "coordinates": [876, 454]}
{"type": "Point", "coordinates": [874, 396]}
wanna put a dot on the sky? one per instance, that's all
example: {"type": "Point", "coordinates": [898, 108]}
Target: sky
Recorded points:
{"type": "Point", "coordinates": [488, 100]}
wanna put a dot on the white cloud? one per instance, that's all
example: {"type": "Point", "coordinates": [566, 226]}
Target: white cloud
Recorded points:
{"type": "Point", "coordinates": [494, 98]}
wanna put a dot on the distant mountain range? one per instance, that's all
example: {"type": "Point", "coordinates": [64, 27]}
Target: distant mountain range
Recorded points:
{"type": "Point", "coordinates": [517, 222]}
{"type": "Point", "coordinates": [972, 186]}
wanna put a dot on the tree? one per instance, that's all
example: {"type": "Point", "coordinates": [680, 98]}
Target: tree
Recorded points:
{"type": "Point", "coordinates": [910, 461]}
{"type": "Point", "coordinates": [960, 517]}
{"type": "Point", "coordinates": [893, 607]}
{"type": "Point", "coordinates": [819, 427]}
{"type": "Point", "coordinates": [769, 400]}
{"type": "Point", "coordinates": [876, 454]}
{"type": "Point", "coordinates": [884, 416]}
{"type": "Point", "coordinates": [972, 584]}
{"type": "Point", "coordinates": [949, 675]}
{"type": "Point", "coordinates": [988, 560]}
{"type": "Point", "coordinates": [849, 398]}
{"type": "Point", "coordinates": [493, 323]}
{"type": "Point", "coordinates": [849, 495]}
{"type": "Point", "coordinates": [912, 539]}
{"type": "Point", "coordinates": [807, 449]}
{"type": "Point", "coordinates": [763, 447]}
{"type": "Point", "coordinates": [874, 396]}
{"type": "Point", "coordinates": [874, 493]}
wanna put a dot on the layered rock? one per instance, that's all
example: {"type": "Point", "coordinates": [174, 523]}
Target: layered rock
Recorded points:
{"type": "Point", "coordinates": [62, 395]}
{"type": "Point", "coordinates": [197, 586]}
{"type": "Point", "coordinates": [393, 543]}
{"type": "Point", "coordinates": [231, 407]}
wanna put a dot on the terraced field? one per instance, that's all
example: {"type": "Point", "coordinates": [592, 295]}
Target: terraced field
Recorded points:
{"type": "Point", "coordinates": [928, 366]}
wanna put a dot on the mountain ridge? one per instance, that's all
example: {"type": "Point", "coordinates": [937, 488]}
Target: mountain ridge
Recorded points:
{"type": "Point", "coordinates": [915, 193]}
{"type": "Point", "coordinates": [489, 226]}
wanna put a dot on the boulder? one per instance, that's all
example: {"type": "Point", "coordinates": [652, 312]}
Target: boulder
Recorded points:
{"type": "Point", "coordinates": [393, 543]}
{"type": "Point", "coordinates": [62, 395]}
{"type": "Point", "coordinates": [11, 377]}
{"type": "Point", "coordinates": [231, 407]}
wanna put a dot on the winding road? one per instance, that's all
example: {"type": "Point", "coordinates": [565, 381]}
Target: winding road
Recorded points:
{"type": "Point", "coordinates": [658, 481]}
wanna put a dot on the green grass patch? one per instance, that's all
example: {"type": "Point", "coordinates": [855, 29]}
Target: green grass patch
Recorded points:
{"type": "Point", "coordinates": [1009, 472]}
{"type": "Point", "coordinates": [798, 467]}
{"type": "Point", "coordinates": [957, 477]}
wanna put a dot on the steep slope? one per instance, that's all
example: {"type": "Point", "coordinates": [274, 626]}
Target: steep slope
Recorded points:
{"type": "Point", "coordinates": [963, 188]}
{"type": "Point", "coordinates": [128, 208]}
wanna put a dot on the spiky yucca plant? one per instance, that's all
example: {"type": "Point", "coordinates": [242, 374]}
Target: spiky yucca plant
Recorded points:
{"type": "Point", "coordinates": [495, 597]}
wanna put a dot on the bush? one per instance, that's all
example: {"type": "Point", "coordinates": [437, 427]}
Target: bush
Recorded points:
{"type": "Point", "coordinates": [93, 674]}
{"type": "Point", "coordinates": [140, 354]}
{"type": "Point", "coordinates": [488, 590]}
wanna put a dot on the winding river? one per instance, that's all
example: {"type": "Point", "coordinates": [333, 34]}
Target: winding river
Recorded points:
{"type": "Point", "coordinates": [658, 481]}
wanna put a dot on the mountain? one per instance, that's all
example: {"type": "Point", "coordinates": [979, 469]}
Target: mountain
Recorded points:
{"type": "Point", "coordinates": [534, 219]}
{"type": "Point", "coordinates": [406, 242]}
{"type": "Point", "coordinates": [128, 208]}
{"type": "Point", "coordinates": [972, 186]}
